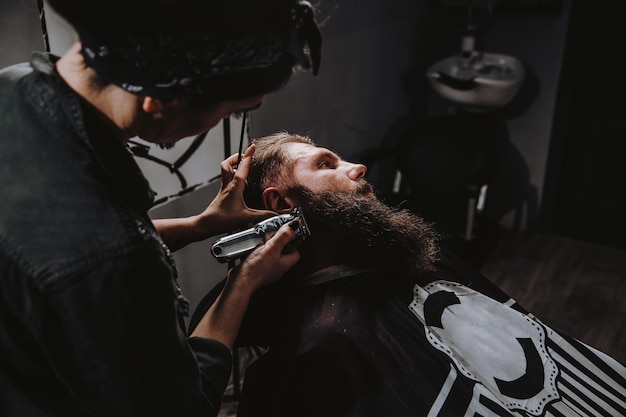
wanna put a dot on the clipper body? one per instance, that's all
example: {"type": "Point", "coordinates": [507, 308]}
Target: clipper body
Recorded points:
{"type": "Point", "coordinates": [240, 244]}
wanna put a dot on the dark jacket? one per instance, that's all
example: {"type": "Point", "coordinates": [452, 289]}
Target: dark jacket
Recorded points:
{"type": "Point", "coordinates": [90, 311]}
{"type": "Point", "coordinates": [345, 342]}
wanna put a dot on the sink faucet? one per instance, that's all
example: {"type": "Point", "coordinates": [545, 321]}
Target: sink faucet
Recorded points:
{"type": "Point", "coordinates": [469, 51]}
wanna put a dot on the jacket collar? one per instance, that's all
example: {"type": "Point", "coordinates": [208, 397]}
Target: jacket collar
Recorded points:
{"type": "Point", "coordinates": [111, 154]}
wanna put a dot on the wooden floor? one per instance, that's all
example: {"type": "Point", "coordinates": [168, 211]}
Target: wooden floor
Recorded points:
{"type": "Point", "coordinates": [573, 286]}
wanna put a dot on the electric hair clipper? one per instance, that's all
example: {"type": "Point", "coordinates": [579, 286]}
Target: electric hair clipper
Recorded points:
{"type": "Point", "coordinates": [240, 244]}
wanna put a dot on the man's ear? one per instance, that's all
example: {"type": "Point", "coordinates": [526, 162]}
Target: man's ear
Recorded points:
{"type": "Point", "coordinates": [151, 105]}
{"type": "Point", "coordinates": [278, 200]}
{"type": "Point", "coordinates": [157, 106]}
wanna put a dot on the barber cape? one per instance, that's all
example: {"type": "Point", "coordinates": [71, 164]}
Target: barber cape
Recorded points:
{"type": "Point", "coordinates": [342, 342]}
{"type": "Point", "coordinates": [516, 364]}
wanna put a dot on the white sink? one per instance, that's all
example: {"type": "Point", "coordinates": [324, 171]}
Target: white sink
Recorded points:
{"type": "Point", "coordinates": [482, 82]}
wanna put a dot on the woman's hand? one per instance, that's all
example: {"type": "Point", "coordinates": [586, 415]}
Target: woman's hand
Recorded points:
{"type": "Point", "coordinates": [266, 264]}
{"type": "Point", "coordinates": [227, 212]}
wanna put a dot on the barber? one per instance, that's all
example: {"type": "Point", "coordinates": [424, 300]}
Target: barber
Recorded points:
{"type": "Point", "coordinates": [91, 317]}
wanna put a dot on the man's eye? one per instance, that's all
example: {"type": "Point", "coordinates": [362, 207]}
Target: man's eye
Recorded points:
{"type": "Point", "coordinates": [325, 164]}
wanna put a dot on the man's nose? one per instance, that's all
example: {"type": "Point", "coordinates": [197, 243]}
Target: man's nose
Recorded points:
{"type": "Point", "coordinates": [357, 171]}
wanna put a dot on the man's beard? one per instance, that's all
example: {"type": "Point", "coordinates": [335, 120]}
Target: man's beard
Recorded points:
{"type": "Point", "coordinates": [360, 229]}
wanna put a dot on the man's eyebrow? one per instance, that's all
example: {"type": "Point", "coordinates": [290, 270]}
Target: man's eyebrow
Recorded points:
{"type": "Point", "coordinates": [320, 154]}
{"type": "Point", "coordinates": [324, 153]}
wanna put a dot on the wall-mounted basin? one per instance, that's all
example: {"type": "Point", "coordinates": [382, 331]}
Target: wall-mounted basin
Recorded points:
{"type": "Point", "coordinates": [485, 82]}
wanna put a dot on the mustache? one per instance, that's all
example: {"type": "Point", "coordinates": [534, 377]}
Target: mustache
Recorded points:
{"type": "Point", "coordinates": [363, 187]}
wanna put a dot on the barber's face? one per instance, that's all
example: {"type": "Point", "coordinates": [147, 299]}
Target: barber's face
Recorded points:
{"type": "Point", "coordinates": [318, 169]}
{"type": "Point", "coordinates": [180, 121]}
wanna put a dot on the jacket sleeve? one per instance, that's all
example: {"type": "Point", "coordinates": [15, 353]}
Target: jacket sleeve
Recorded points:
{"type": "Point", "coordinates": [113, 337]}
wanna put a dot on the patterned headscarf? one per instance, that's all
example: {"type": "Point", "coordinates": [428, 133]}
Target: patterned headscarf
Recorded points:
{"type": "Point", "coordinates": [168, 65]}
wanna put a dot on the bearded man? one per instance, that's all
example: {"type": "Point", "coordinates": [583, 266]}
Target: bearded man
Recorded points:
{"type": "Point", "coordinates": [374, 320]}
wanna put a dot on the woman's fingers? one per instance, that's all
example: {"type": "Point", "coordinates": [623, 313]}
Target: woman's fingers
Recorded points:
{"type": "Point", "coordinates": [235, 168]}
{"type": "Point", "coordinates": [227, 169]}
{"type": "Point", "coordinates": [243, 169]}
{"type": "Point", "coordinates": [270, 261]}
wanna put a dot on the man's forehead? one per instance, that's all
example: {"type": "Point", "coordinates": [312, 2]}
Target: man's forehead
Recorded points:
{"type": "Point", "coordinates": [298, 151]}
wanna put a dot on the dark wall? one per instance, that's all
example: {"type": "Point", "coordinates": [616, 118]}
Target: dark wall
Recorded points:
{"type": "Point", "coordinates": [372, 84]}
{"type": "Point", "coordinates": [371, 75]}
{"type": "Point", "coordinates": [584, 194]}
{"type": "Point", "coordinates": [20, 31]}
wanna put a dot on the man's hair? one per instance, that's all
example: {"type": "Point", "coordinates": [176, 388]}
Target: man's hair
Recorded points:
{"type": "Point", "coordinates": [271, 165]}
{"type": "Point", "coordinates": [213, 50]}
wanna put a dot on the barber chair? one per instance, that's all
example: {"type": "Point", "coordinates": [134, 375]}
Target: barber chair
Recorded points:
{"type": "Point", "coordinates": [445, 163]}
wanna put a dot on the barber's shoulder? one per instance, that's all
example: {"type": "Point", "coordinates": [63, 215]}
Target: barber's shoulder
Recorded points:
{"type": "Point", "coordinates": [14, 72]}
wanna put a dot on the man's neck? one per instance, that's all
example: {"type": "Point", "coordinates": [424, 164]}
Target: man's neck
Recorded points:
{"type": "Point", "coordinates": [115, 105]}
{"type": "Point", "coordinates": [313, 257]}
